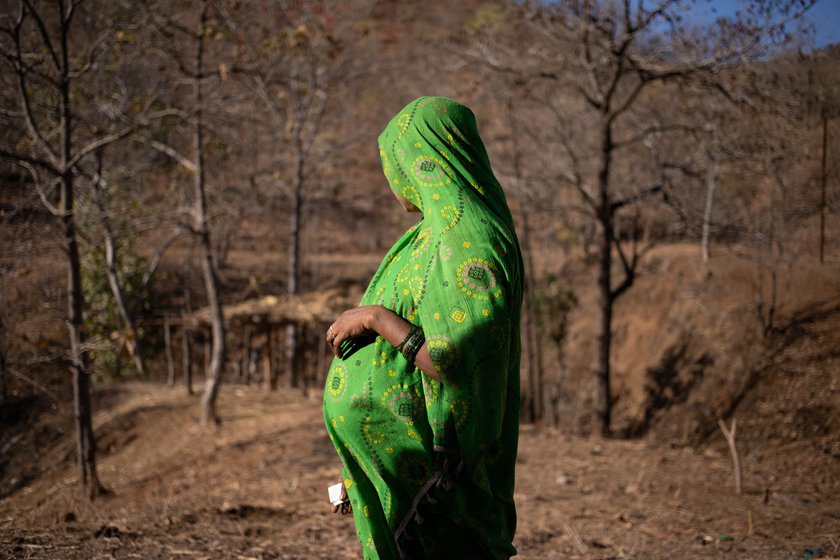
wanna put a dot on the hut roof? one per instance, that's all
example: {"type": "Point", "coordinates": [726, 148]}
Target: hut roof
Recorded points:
{"type": "Point", "coordinates": [311, 307]}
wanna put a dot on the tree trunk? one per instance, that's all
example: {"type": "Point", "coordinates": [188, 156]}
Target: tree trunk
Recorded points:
{"type": "Point", "coordinates": [211, 283]}
{"type": "Point", "coordinates": [217, 352]}
{"type": "Point", "coordinates": [823, 180]}
{"type": "Point", "coordinates": [294, 273]}
{"type": "Point", "coordinates": [79, 365]}
{"type": "Point", "coordinates": [532, 336]}
{"type": "Point", "coordinates": [602, 394]}
{"type": "Point", "coordinates": [711, 185]}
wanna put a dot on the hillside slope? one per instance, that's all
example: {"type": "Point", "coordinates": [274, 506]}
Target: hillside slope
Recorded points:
{"type": "Point", "coordinates": [693, 343]}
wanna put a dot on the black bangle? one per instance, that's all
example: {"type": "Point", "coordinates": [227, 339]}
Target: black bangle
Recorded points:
{"type": "Point", "coordinates": [413, 345]}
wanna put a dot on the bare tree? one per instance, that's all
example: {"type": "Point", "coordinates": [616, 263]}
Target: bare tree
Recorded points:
{"type": "Point", "coordinates": [188, 47]}
{"type": "Point", "coordinates": [712, 174]}
{"type": "Point", "coordinates": [603, 62]}
{"type": "Point", "coordinates": [46, 64]}
{"type": "Point", "coordinates": [824, 99]}
{"type": "Point", "coordinates": [296, 118]}
{"type": "Point", "coordinates": [201, 228]}
{"type": "Point", "coordinates": [290, 63]}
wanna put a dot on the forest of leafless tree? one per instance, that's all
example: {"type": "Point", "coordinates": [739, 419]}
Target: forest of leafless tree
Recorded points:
{"type": "Point", "coordinates": [189, 189]}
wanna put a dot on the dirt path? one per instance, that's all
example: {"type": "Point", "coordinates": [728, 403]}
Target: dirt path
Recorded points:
{"type": "Point", "coordinates": [255, 488]}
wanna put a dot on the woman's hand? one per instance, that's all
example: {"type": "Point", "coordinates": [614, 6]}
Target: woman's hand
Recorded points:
{"type": "Point", "coordinates": [343, 497]}
{"type": "Point", "coordinates": [381, 321]}
{"type": "Point", "coordinates": [359, 321]}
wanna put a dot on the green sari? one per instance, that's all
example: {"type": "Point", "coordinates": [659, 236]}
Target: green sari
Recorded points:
{"type": "Point", "coordinates": [428, 465]}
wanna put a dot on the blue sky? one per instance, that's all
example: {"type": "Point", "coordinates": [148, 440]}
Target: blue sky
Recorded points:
{"type": "Point", "coordinates": [824, 16]}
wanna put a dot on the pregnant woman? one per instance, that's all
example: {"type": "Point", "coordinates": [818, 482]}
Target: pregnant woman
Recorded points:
{"type": "Point", "coordinates": [422, 400]}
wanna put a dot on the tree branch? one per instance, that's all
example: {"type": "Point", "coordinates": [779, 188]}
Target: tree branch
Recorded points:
{"type": "Point", "coordinates": [32, 160]}
{"type": "Point", "coordinates": [652, 130]}
{"type": "Point", "coordinates": [29, 118]}
{"type": "Point", "coordinates": [186, 163]}
{"type": "Point", "coordinates": [100, 143]}
{"type": "Point", "coordinates": [154, 262]}
{"type": "Point", "coordinates": [36, 179]}
{"type": "Point", "coordinates": [42, 29]}
{"type": "Point", "coordinates": [636, 197]}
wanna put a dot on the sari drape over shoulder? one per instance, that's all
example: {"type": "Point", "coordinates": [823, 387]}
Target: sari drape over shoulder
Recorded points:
{"type": "Point", "coordinates": [428, 465]}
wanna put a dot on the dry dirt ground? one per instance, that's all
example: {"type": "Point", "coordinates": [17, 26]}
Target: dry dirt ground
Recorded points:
{"type": "Point", "coordinates": [255, 489]}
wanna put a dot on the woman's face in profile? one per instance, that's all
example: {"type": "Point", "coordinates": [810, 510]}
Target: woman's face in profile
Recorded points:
{"type": "Point", "coordinates": [405, 203]}
{"type": "Point", "coordinates": [409, 207]}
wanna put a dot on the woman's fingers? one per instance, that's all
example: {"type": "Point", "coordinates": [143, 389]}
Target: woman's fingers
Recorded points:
{"type": "Point", "coordinates": [334, 338]}
{"type": "Point", "coordinates": [349, 324]}
{"type": "Point", "coordinates": [336, 334]}
{"type": "Point", "coordinates": [331, 336]}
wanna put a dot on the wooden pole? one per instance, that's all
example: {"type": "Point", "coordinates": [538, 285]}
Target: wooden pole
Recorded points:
{"type": "Point", "coordinates": [245, 358]}
{"type": "Point", "coordinates": [186, 360]}
{"type": "Point", "coordinates": [301, 362]}
{"type": "Point", "coordinates": [277, 357]}
{"type": "Point", "coordinates": [291, 353]}
{"type": "Point", "coordinates": [170, 364]}
{"type": "Point", "coordinates": [320, 374]}
{"type": "Point", "coordinates": [185, 343]}
{"type": "Point", "coordinates": [268, 373]}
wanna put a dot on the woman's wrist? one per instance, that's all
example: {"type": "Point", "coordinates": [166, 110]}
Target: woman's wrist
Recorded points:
{"type": "Point", "coordinates": [374, 319]}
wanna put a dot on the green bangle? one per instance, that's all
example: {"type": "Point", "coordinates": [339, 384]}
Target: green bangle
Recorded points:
{"type": "Point", "coordinates": [411, 332]}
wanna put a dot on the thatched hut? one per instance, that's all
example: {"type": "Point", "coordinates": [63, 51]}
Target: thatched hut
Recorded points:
{"type": "Point", "coordinates": [257, 350]}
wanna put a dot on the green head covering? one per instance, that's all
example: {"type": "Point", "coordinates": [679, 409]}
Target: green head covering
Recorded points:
{"type": "Point", "coordinates": [433, 157]}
